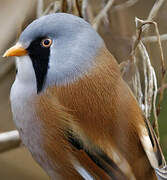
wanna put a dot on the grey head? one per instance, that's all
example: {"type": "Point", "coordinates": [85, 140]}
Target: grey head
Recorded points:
{"type": "Point", "coordinates": [74, 45]}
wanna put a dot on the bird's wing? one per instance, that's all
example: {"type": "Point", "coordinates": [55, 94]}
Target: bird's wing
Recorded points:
{"type": "Point", "coordinates": [153, 150]}
{"type": "Point", "coordinates": [96, 160]}
{"type": "Point", "coordinates": [74, 152]}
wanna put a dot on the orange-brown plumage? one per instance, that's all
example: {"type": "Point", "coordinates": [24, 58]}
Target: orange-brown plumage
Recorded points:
{"type": "Point", "coordinates": [99, 107]}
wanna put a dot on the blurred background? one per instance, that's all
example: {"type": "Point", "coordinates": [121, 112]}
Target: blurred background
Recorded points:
{"type": "Point", "coordinates": [117, 29]}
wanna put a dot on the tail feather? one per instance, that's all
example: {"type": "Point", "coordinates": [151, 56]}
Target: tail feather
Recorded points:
{"type": "Point", "coordinates": [161, 173]}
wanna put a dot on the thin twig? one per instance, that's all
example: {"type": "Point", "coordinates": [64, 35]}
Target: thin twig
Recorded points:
{"type": "Point", "coordinates": [78, 7]}
{"type": "Point", "coordinates": [154, 106]}
{"type": "Point", "coordinates": [84, 10]}
{"type": "Point", "coordinates": [163, 37]}
{"type": "Point", "coordinates": [50, 6]}
{"type": "Point", "coordinates": [39, 8]}
{"type": "Point", "coordinates": [64, 6]}
{"type": "Point", "coordinates": [153, 13]}
{"type": "Point", "coordinates": [102, 14]}
{"type": "Point", "coordinates": [149, 83]}
{"type": "Point", "coordinates": [124, 5]}
{"type": "Point", "coordinates": [9, 140]}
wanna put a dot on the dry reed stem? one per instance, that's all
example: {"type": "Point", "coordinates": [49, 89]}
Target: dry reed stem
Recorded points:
{"type": "Point", "coordinates": [154, 106]}
{"type": "Point", "coordinates": [153, 13]}
{"type": "Point", "coordinates": [64, 5]}
{"type": "Point", "coordinates": [124, 5]}
{"type": "Point", "coordinates": [40, 6]}
{"type": "Point", "coordinates": [151, 73]}
{"type": "Point", "coordinates": [150, 39]}
{"type": "Point", "coordinates": [78, 7]}
{"type": "Point", "coordinates": [144, 26]}
{"type": "Point", "coordinates": [163, 71]}
{"type": "Point", "coordinates": [9, 140]}
{"type": "Point", "coordinates": [149, 83]}
{"type": "Point", "coordinates": [155, 9]}
{"type": "Point", "coordinates": [84, 10]}
{"type": "Point", "coordinates": [97, 20]}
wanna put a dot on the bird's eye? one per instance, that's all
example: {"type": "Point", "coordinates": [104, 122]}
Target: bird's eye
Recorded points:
{"type": "Point", "coordinates": [46, 42]}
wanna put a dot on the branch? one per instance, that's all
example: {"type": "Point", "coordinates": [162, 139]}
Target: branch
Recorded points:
{"type": "Point", "coordinates": [124, 5]}
{"type": "Point", "coordinates": [154, 11]}
{"type": "Point", "coordinates": [84, 9]}
{"type": "Point", "coordinates": [102, 14]}
{"type": "Point", "coordinates": [163, 37]}
{"type": "Point", "coordinates": [40, 6]}
{"type": "Point", "coordinates": [9, 140]}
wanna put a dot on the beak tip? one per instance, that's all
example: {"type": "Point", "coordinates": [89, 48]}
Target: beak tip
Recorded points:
{"type": "Point", "coordinates": [4, 55]}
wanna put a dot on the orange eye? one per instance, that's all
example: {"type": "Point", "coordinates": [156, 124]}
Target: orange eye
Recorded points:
{"type": "Point", "coordinates": [46, 42]}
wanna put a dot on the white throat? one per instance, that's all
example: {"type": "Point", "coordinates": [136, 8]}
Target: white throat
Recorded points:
{"type": "Point", "coordinates": [26, 73]}
{"type": "Point", "coordinates": [22, 93]}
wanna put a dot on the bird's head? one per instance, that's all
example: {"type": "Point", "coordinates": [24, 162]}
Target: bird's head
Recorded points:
{"type": "Point", "coordinates": [55, 49]}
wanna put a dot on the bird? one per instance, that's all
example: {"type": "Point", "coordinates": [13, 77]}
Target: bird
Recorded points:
{"type": "Point", "coordinates": [72, 108]}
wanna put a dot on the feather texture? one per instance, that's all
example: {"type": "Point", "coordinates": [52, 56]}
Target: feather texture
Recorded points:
{"type": "Point", "coordinates": [101, 111]}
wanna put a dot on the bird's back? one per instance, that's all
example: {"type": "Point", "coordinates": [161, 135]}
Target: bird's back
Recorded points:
{"type": "Point", "coordinates": [102, 106]}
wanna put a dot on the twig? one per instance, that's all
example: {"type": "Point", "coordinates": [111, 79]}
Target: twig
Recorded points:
{"type": "Point", "coordinates": [154, 106]}
{"type": "Point", "coordinates": [149, 83]}
{"type": "Point", "coordinates": [163, 37]}
{"type": "Point", "coordinates": [50, 6]}
{"type": "Point", "coordinates": [84, 10]}
{"type": "Point", "coordinates": [78, 8]}
{"type": "Point", "coordinates": [39, 8]}
{"type": "Point", "coordinates": [124, 5]}
{"type": "Point", "coordinates": [103, 12]}
{"type": "Point", "coordinates": [9, 140]}
{"type": "Point", "coordinates": [154, 11]}
{"type": "Point", "coordinates": [64, 6]}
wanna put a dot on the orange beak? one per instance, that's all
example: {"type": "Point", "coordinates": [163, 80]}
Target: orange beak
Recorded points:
{"type": "Point", "coordinates": [16, 50]}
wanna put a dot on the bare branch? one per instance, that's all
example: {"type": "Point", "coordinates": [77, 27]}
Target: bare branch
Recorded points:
{"type": "Point", "coordinates": [154, 11]}
{"type": "Point", "coordinates": [40, 7]}
{"type": "Point", "coordinates": [124, 5]}
{"type": "Point", "coordinates": [102, 14]}
{"type": "Point", "coordinates": [154, 106]}
{"type": "Point", "coordinates": [163, 37]}
{"type": "Point", "coordinates": [78, 7]}
{"type": "Point", "coordinates": [84, 9]}
{"type": "Point", "coordinates": [9, 140]}
{"type": "Point", "coordinates": [64, 6]}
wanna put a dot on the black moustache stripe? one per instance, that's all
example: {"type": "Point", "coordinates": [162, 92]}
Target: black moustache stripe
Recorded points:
{"type": "Point", "coordinates": [40, 59]}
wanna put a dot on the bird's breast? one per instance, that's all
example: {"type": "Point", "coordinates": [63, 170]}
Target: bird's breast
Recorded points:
{"type": "Point", "coordinates": [27, 122]}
